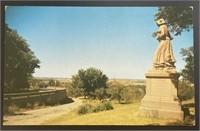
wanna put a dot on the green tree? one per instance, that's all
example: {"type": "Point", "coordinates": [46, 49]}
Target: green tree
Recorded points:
{"type": "Point", "coordinates": [178, 18]}
{"type": "Point", "coordinates": [188, 56]}
{"type": "Point", "coordinates": [19, 61]}
{"type": "Point", "coordinates": [89, 80]}
{"type": "Point", "coordinates": [101, 93]}
{"type": "Point", "coordinates": [185, 90]}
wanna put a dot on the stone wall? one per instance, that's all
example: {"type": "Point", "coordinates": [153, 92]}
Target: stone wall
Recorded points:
{"type": "Point", "coordinates": [47, 97]}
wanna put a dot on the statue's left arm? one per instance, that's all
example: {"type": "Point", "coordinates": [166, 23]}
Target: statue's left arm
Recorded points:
{"type": "Point", "coordinates": [160, 33]}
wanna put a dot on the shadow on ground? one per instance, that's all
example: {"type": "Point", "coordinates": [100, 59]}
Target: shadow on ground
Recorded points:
{"type": "Point", "coordinates": [20, 113]}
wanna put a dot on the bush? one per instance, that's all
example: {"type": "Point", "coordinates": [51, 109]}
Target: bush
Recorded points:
{"type": "Point", "coordinates": [87, 108]}
{"type": "Point", "coordinates": [103, 107]}
{"type": "Point", "coordinates": [11, 110]}
{"type": "Point", "coordinates": [114, 90]}
{"type": "Point", "coordinates": [125, 93]}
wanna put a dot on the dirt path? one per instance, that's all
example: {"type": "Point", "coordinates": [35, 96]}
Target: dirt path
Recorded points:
{"type": "Point", "coordinates": [36, 117]}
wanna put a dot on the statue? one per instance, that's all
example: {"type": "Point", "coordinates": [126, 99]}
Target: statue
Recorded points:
{"type": "Point", "coordinates": [160, 100]}
{"type": "Point", "coordinates": [163, 57]}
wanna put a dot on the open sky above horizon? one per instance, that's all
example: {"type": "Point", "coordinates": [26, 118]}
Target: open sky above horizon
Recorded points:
{"type": "Point", "coordinates": [116, 40]}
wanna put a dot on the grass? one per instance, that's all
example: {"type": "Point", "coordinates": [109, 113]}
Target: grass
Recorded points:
{"type": "Point", "coordinates": [123, 114]}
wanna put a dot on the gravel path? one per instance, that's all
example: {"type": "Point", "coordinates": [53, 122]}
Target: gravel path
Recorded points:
{"type": "Point", "coordinates": [36, 117]}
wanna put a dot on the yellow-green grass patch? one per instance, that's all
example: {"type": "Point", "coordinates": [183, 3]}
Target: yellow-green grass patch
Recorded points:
{"type": "Point", "coordinates": [122, 114]}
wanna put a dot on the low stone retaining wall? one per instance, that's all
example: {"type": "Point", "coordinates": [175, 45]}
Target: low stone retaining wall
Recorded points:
{"type": "Point", "coordinates": [21, 99]}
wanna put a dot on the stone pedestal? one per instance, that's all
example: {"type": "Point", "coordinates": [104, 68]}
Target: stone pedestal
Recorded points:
{"type": "Point", "coordinates": [161, 99]}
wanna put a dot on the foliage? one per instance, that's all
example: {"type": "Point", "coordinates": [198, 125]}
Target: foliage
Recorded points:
{"type": "Point", "coordinates": [11, 110]}
{"type": "Point", "coordinates": [54, 83]}
{"type": "Point", "coordinates": [140, 91]}
{"type": "Point", "coordinates": [74, 91]}
{"type": "Point", "coordinates": [19, 61]}
{"type": "Point", "coordinates": [103, 107]}
{"type": "Point", "coordinates": [101, 93]}
{"type": "Point", "coordinates": [115, 89]}
{"type": "Point", "coordinates": [87, 108]}
{"type": "Point", "coordinates": [185, 90]}
{"type": "Point", "coordinates": [188, 56]}
{"type": "Point", "coordinates": [89, 80]}
{"type": "Point", "coordinates": [38, 83]}
{"type": "Point", "coordinates": [179, 19]}
{"type": "Point", "coordinates": [125, 93]}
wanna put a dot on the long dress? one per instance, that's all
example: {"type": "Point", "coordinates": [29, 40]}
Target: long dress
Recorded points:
{"type": "Point", "coordinates": [164, 56]}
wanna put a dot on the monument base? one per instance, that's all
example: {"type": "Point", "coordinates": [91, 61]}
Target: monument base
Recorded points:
{"type": "Point", "coordinates": [161, 99]}
{"type": "Point", "coordinates": [161, 113]}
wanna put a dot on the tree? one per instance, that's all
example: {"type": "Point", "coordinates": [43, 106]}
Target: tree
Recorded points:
{"type": "Point", "coordinates": [89, 80]}
{"type": "Point", "coordinates": [188, 56]}
{"type": "Point", "coordinates": [101, 93]}
{"type": "Point", "coordinates": [185, 90]}
{"type": "Point", "coordinates": [19, 61]}
{"type": "Point", "coordinates": [179, 19]}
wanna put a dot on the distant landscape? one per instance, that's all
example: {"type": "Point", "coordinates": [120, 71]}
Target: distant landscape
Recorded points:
{"type": "Point", "coordinates": [123, 81]}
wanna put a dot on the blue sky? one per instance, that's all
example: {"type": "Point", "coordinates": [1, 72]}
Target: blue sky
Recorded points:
{"type": "Point", "coordinates": [116, 40]}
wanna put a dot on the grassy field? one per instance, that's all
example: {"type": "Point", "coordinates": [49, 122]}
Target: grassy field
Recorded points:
{"type": "Point", "coordinates": [122, 114]}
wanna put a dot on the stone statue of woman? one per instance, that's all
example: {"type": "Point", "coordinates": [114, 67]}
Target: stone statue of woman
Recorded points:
{"type": "Point", "coordinates": [163, 57]}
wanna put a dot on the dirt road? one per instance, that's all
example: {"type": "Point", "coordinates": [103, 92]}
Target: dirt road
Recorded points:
{"type": "Point", "coordinates": [36, 117]}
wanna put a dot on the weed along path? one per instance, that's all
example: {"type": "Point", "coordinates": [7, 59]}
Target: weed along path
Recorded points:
{"type": "Point", "coordinates": [36, 117]}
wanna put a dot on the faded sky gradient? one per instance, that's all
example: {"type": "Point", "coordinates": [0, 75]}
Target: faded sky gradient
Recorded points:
{"type": "Point", "coordinates": [116, 40]}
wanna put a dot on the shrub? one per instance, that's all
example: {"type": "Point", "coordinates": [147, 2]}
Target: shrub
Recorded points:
{"type": "Point", "coordinates": [107, 105]}
{"type": "Point", "coordinates": [127, 95]}
{"type": "Point", "coordinates": [11, 110]}
{"type": "Point", "coordinates": [87, 108]}
{"type": "Point", "coordinates": [103, 107]}
{"type": "Point", "coordinates": [114, 90]}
